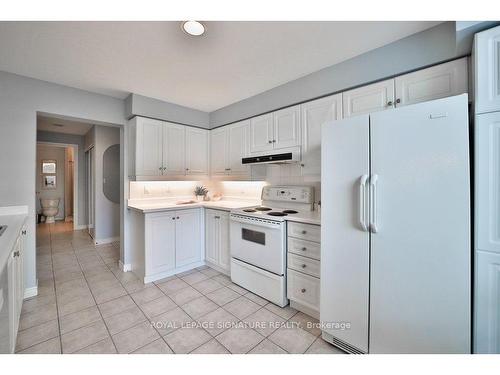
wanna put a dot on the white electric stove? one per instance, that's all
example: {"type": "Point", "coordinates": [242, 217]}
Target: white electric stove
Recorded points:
{"type": "Point", "coordinates": [258, 240]}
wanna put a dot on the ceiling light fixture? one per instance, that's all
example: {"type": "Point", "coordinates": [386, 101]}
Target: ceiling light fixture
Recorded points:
{"type": "Point", "coordinates": [194, 28]}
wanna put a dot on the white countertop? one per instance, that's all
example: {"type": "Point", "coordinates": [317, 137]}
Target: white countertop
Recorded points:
{"type": "Point", "coordinates": [14, 217]}
{"type": "Point", "coordinates": [307, 217]}
{"type": "Point", "coordinates": [157, 205]}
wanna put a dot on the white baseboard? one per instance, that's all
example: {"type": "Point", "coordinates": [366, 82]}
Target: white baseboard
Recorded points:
{"type": "Point", "coordinates": [124, 267]}
{"type": "Point", "coordinates": [103, 241]}
{"type": "Point", "coordinates": [31, 292]}
{"type": "Point", "coordinates": [79, 227]}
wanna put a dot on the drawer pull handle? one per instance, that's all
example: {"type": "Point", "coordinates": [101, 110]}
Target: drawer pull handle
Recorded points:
{"type": "Point", "coordinates": [304, 232]}
{"type": "Point", "coordinates": [304, 249]}
{"type": "Point", "coordinates": [304, 266]}
{"type": "Point", "coordinates": [303, 290]}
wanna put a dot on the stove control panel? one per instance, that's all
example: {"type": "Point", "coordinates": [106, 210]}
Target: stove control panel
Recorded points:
{"type": "Point", "coordinates": [298, 194]}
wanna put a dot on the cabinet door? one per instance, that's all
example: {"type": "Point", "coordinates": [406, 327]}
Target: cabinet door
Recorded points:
{"type": "Point", "coordinates": [314, 115]}
{"type": "Point", "coordinates": [20, 275]}
{"type": "Point", "coordinates": [174, 149]}
{"type": "Point", "coordinates": [160, 242]}
{"type": "Point", "coordinates": [487, 70]}
{"type": "Point", "coordinates": [487, 304]}
{"type": "Point", "coordinates": [12, 293]}
{"type": "Point", "coordinates": [223, 230]}
{"type": "Point", "coordinates": [487, 181]}
{"type": "Point", "coordinates": [219, 151]}
{"type": "Point", "coordinates": [238, 145]}
{"type": "Point", "coordinates": [367, 99]}
{"type": "Point", "coordinates": [432, 83]}
{"type": "Point", "coordinates": [149, 147]}
{"type": "Point", "coordinates": [187, 237]}
{"type": "Point", "coordinates": [196, 151]}
{"type": "Point", "coordinates": [287, 127]}
{"type": "Point", "coordinates": [211, 235]}
{"type": "Point", "coordinates": [261, 133]}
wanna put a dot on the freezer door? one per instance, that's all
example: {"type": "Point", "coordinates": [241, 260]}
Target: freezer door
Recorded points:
{"type": "Point", "coordinates": [420, 278]}
{"type": "Point", "coordinates": [344, 236]}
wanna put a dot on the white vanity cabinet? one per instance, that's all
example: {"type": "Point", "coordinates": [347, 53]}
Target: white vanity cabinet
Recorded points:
{"type": "Point", "coordinates": [217, 252]}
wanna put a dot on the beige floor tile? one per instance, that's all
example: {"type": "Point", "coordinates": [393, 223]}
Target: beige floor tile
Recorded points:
{"type": "Point", "coordinates": [293, 340]}
{"type": "Point", "coordinates": [75, 305]}
{"type": "Point", "coordinates": [79, 319]}
{"type": "Point", "coordinates": [210, 272]}
{"type": "Point", "coordinates": [257, 299]}
{"type": "Point", "coordinates": [41, 315]}
{"type": "Point", "coordinates": [37, 334]}
{"type": "Point", "coordinates": [158, 306]}
{"type": "Point", "coordinates": [239, 340]}
{"type": "Point", "coordinates": [194, 278]}
{"type": "Point", "coordinates": [156, 347]}
{"type": "Point", "coordinates": [105, 346]}
{"type": "Point", "coordinates": [184, 340]}
{"type": "Point", "coordinates": [223, 296]}
{"type": "Point", "coordinates": [185, 295]}
{"type": "Point", "coordinates": [165, 279]}
{"type": "Point", "coordinates": [170, 321]}
{"type": "Point", "coordinates": [83, 337]}
{"type": "Point", "coordinates": [116, 306]}
{"type": "Point", "coordinates": [285, 312]}
{"type": "Point", "coordinates": [135, 337]}
{"type": "Point", "coordinates": [185, 273]}
{"type": "Point", "coordinates": [136, 285]}
{"type": "Point", "coordinates": [223, 279]}
{"type": "Point", "coordinates": [146, 295]}
{"type": "Point", "coordinates": [267, 347]}
{"type": "Point", "coordinates": [52, 346]}
{"type": "Point", "coordinates": [320, 346]}
{"type": "Point", "coordinates": [217, 321]}
{"type": "Point", "coordinates": [37, 302]}
{"type": "Point", "coordinates": [199, 307]}
{"type": "Point", "coordinates": [241, 307]}
{"type": "Point", "coordinates": [211, 347]}
{"type": "Point", "coordinates": [110, 294]}
{"type": "Point", "coordinates": [264, 321]}
{"type": "Point", "coordinates": [124, 320]}
{"type": "Point", "coordinates": [307, 323]}
{"type": "Point", "coordinates": [238, 289]}
{"type": "Point", "coordinates": [207, 286]}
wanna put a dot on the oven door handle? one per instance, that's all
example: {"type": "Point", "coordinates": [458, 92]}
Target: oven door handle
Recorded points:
{"type": "Point", "coordinates": [256, 222]}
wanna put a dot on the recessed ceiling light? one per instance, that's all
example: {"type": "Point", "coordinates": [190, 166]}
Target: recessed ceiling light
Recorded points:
{"type": "Point", "coordinates": [194, 28]}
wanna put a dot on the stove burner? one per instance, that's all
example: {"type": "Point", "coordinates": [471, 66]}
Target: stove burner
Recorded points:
{"type": "Point", "coordinates": [275, 213]}
{"type": "Point", "coordinates": [263, 209]}
{"type": "Point", "coordinates": [290, 212]}
{"type": "Point", "coordinates": [250, 210]}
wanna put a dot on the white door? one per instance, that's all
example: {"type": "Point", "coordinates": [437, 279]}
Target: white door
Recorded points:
{"type": "Point", "coordinates": [90, 172]}
{"type": "Point", "coordinates": [367, 99]}
{"type": "Point", "coordinates": [223, 231]}
{"type": "Point", "coordinates": [219, 151]}
{"type": "Point", "coordinates": [420, 213]}
{"type": "Point", "coordinates": [149, 146]}
{"type": "Point", "coordinates": [238, 147]}
{"type": "Point", "coordinates": [211, 236]}
{"type": "Point", "coordinates": [487, 70]}
{"type": "Point", "coordinates": [487, 181]}
{"type": "Point", "coordinates": [313, 115]}
{"type": "Point", "coordinates": [345, 252]}
{"type": "Point", "coordinates": [187, 237]}
{"type": "Point", "coordinates": [196, 151]}
{"type": "Point", "coordinates": [487, 303]}
{"type": "Point", "coordinates": [261, 133]}
{"type": "Point", "coordinates": [286, 127]}
{"type": "Point", "coordinates": [160, 242]}
{"type": "Point", "coordinates": [436, 82]}
{"type": "Point", "coordinates": [174, 149]}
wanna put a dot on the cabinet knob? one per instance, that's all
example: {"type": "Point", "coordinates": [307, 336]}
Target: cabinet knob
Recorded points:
{"type": "Point", "coordinates": [389, 103]}
{"type": "Point", "coordinates": [274, 140]}
{"type": "Point", "coordinates": [303, 290]}
{"type": "Point", "coordinates": [304, 249]}
{"type": "Point", "coordinates": [177, 217]}
{"type": "Point", "coordinates": [16, 254]}
{"type": "Point", "coordinates": [173, 218]}
{"type": "Point", "coordinates": [398, 101]}
{"type": "Point", "coordinates": [270, 141]}
{"type": "Point", "coordinates": [24, 232]}
{"type": "Point", "coordinates": [304, 266]}
{"type": "Point", "coordinates": [304, 232]}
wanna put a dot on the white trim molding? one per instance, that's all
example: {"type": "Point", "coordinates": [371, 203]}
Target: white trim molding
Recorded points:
{"type": "Point", "coordinates": [104, 241]}
{"type": "Point", "coordinates": [124, 267]}
{"type": "Point", "coordinates": [31, 292]}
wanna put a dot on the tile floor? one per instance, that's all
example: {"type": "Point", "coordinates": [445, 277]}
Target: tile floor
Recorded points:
{"type": "Point", "coordinates": [87, 305]}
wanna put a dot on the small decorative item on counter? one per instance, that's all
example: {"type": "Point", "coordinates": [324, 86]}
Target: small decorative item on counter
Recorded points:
{"type": "Point", "coordinates": [200, 192]}
{"type": "Point", "coordinates": [217, 197]}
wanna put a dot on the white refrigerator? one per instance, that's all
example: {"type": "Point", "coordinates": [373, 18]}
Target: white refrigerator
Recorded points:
{"type": "Point", "coordinates": [395, 230]}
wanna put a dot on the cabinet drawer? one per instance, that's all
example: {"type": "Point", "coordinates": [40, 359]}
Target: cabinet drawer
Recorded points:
{"type": "Point", "coordinates": [304, 265]}
{"type": "Point", "coordinates": [304, 231]}
{"type": "Point", "coordinates": [305, 248]}
{"type": "Point", "coordinates": [303, 289]}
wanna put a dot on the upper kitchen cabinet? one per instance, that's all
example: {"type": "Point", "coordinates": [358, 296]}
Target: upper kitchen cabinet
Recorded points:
{"type": "Point", "coordinates": [219, 152]}
{"type": "Point", "coordinates": [261, 133]}
{"type": "Point", "coordinates": [286, 123]}
{"type": "Point", "coordinates": [487, 70]}
{"type": "Point", "coordinates": [313, 115]}
{"type": "Point", "coordinates": [147, 140]}
{"type": "Point", "coordinates": [196, 151]}
{"type": "Point", "coordinates": [367, 99]}
{"type": "Point", "coordinates": [432, 83]}
{"type": "Point", "coordinates": [174, 149]}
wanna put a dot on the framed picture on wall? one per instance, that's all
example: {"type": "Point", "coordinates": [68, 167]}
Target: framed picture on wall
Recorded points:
{"type": "Point", "coordinates": [49, 182]}
{"type": "Point", "coordinates": [48, 166]}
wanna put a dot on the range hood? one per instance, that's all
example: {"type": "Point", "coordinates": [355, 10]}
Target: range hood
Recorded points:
{"type": "Point", "coordinates": [287, 156]}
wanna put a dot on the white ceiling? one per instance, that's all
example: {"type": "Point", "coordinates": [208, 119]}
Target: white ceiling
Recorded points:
{"type": "Point", "coordinates": [233, 61]}
{"type": "Point", "coordinates": [69, 126]}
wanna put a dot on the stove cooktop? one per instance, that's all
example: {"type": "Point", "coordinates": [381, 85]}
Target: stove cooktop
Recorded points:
{"type": "Point", "coordinates": [262, 211]}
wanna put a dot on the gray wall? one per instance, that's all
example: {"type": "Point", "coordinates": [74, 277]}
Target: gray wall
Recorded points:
{"type": "Point", "coordinates": [138, 105]}
{"type": "Point", "coordinates": [46, 152]}
{"type": "Point", "coordinates": [43, 136]}
{"type": "Point", "coordinates": [20, 100]}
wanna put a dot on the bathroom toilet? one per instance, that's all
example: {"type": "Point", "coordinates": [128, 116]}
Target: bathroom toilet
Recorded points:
{"type": "Point", "coordinates": [50, 208]}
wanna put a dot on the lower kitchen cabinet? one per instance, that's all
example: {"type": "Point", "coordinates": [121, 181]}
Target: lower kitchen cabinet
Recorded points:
{"type": "Point", "coordinates": [166, 243]}
{"type": "Point", "coordinates": [217, 252]}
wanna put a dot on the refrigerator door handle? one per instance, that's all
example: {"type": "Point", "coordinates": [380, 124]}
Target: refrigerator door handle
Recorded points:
{"type": "Point", "coordinates": [362, 202]}
{"type": "Point", "coordinates": [373, 202]}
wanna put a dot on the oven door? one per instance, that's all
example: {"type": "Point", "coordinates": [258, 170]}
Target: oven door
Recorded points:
{"type": "Point", "coordinates": [259, 242]}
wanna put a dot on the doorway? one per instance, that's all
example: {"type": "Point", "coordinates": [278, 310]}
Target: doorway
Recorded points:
{"type": "Point", "coordinates": [90, 170]}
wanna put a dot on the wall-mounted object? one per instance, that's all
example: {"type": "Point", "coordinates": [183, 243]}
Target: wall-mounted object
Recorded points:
{"type": "Point", "coordinates": [49, 166]}
{"type": "Point", "coordinates": [49, 183]}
